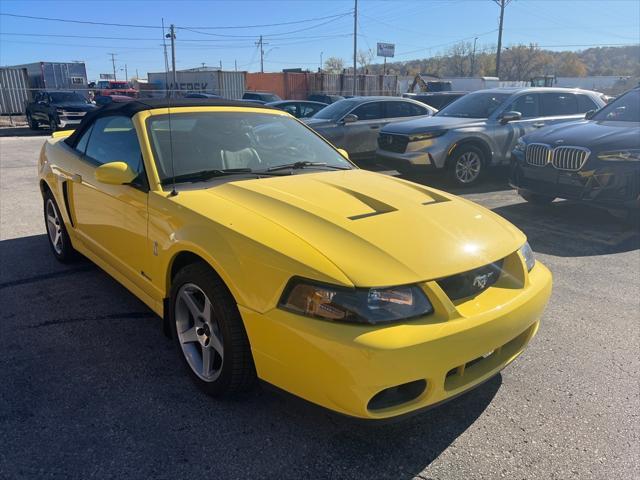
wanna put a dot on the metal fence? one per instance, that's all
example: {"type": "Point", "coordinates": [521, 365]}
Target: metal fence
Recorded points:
{"type": "Point", "coordinates": [14, 91]}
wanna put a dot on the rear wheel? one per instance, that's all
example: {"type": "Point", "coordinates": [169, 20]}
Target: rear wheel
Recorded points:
{"type": "Point", "coordinates": [536, 198]}
{"type": "Point", "coordinates": [59, 240]}
{"type": "Point", "coordinates": [466, 166]}
{"type": "Point", "coordinates": [209, 332]}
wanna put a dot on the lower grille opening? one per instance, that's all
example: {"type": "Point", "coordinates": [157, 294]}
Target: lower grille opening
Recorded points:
{"type": "Point", "coordinates": [394, 396]}
{"type": "Point", "coordinates": [476, 368]}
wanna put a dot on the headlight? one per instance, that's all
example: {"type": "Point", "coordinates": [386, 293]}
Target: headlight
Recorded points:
{"type": "Point", "coordinates": [631, 155]}
{"type": "Point", "coordinates": [426, 136]}
{"type": "Point", "coordinates": [521, 146]}
{"type": "Point", "coordinates": [356, 305]}
{"type": "Point", "coordinates": [59, 110]}
{"type": "Point", "coordinates": [529, 257]}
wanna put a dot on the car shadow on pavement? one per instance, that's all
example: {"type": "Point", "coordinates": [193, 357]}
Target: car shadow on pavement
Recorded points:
{"type": "Point", "coordinates": [23, 132]}
{"type": "Point", "coordinates": [91, 387]}
{"type": "Point", "coordinates": [571, 229]}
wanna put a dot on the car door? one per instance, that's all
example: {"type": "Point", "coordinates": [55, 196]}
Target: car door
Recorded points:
{"type": "Point", "coordinates": [307, 110]}
{"type": "Point", "coordinates": [361, 136]}
{"type": "Point", "coordinates": [506, 135]}
{"type": "Point", "coordinates": [558, 107]}
{"type": "Point", "coordinates": [40, 107]}
{"type": "Point", "coordinates": [111, 220]}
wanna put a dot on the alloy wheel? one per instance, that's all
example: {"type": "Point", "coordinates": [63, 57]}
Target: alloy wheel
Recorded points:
{"type": "Point", "coordinates": [467, 168]}
{"type": "Point", "coordinates": [54, 227]}
{"type": "Point", "coordinates": [199, 333]}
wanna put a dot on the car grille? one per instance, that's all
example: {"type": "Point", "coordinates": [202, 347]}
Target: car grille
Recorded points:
{"type": "Point", "coordinates": [569, 158]}
{"type": "Point", "coordinates": [472, 282]}
{"type": "Point", "coordinates": [563, 158]}
{"type": "Point", "coordinates": [537, 154]}
{"type": "Point", "coordinates": [393, 143]}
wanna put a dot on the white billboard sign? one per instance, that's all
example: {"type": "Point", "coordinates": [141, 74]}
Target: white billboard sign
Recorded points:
{"type": "Point", "coordinates": [386, 49]}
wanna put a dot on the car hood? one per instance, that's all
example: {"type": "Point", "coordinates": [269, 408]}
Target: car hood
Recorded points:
{"type": "Point", "coordinates": [378, 230]}
{"type": "Point", "coordinates": [76, 106]}
{"type": "Point", "coordinates": [427, 124]}
{"type": "Point", "coordinates": [591, 134]}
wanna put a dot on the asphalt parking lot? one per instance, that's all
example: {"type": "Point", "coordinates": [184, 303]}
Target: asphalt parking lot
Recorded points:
{"type": "Point", "coordinates": [90, 387]}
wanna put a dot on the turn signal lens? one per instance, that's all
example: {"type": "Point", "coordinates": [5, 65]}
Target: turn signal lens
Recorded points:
{"type": "Point", "coordinates": [529, 257]}
{"type": "Point", "coordinates": [357, 305]}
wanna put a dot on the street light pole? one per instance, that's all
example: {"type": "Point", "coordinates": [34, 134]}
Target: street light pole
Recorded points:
{"type": "Point", "coordinates": [172, 36]}
{"type": "Point", "coordinates": [473, 56]}
{"type": "Point", "coordinates": [113, 64]}
{"type": "Point", "coordinates": [355, 43]}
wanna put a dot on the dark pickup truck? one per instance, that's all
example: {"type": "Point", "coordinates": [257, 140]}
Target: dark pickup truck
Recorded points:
{"type": "Point", "coordinates": [57, 110]}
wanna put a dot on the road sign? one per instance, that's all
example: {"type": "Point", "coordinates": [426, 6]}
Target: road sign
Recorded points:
{"type": "Point", "coordinates": [386, 49]}
{"type": "Point", "coordinates": [107, 76]}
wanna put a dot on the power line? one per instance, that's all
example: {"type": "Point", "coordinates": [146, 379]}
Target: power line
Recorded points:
{"type": "Point", "coordinates": [86, 22]}
{"type": "Point", "coordinates": [271, 24]}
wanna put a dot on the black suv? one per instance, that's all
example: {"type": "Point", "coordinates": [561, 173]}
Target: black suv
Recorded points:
{"type": "Point", "coordinates": [57, 109]}
{"type": "Point", "coordinates": [596, 160]}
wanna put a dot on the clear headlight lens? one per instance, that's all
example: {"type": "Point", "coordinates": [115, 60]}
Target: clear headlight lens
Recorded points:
{"type": "Point", "coordinates": [426, 135]}
{"type": "Point", "coordinates": [357, 305]}
{"type": "Point", "coordinates": [521, 146]}
{"type": "Point", "coordinates": [529, 257]}
{"type": "Point", "coordinates": [630, 155]}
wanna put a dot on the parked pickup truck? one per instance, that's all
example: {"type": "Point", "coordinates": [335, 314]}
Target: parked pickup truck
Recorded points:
{"type": "Point", "coordinates": [57, 109]}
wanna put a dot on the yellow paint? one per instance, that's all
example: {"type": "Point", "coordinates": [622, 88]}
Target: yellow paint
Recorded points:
{"type": "Point", "coordinates": [351, 228]}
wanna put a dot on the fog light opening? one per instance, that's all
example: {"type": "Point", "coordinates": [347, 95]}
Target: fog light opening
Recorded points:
{"type": "Point", "coordinates": [394, 396]}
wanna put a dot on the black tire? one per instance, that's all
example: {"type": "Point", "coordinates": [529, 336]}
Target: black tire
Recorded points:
{"type": "Point", "coordinates": [466, 166]}
{"type": "Point", "coordinates": [537, 198]}
{"type": "Point", "coordinates": [53, 124]}
{"type": "Point", "coordinates": [237, 370]}
{"type": "Point", "coordinates": [62, 248]}
{"type": "Point", "coordinates": [33, 124]}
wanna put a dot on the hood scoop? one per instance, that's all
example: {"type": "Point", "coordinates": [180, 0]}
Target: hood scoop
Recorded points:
{"type": "Point", "coordinates": [374, 204]}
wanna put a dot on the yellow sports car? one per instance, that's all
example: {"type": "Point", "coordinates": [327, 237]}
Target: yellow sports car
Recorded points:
{"type": "Point", "coordinates": [269, 255]}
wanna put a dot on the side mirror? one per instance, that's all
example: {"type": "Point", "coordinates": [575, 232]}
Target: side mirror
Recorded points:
{"type": "Point", "coordinates": [510, 116]}
{"type": "Point", "coordinates": [350, 118]}
{"type": "Point", "coordinates": [343, 152]}
{"type": "Point", "coordinates": [115, 173]}
{"type": "Point", "coordinates": [589, 115]}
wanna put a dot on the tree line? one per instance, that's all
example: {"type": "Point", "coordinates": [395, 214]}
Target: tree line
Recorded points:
{"type": "Point", "coordinates": [518, 62]}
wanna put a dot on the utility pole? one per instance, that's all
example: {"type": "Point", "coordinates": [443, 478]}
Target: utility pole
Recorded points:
{"type": "Point", "coordinates": [220, 64]}
{"type": "Point", "coordinates": [321, 60]}
{"type": "Point", "coordinates": [172, 36]}
{"type": "Point", "coordinates": [235, 65]}
{"type": "Point", "coordinates": [126, 73]}
{"type": "Point", "coordinates": [113, 64]}
{"type": "Point", "coordinates": [261, 44]}
{"type": "Point", "coordinates": [502, 4]}
{"type": "Point", "coordinates": [355, 43]}
{"type": "Point", "coordinates": [473, 56]}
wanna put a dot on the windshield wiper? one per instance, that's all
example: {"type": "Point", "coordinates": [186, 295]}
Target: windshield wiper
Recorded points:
{"type": "Point", "coordinates": [204, 175]}
{"type": "Point", "coordinates": [298, 165]}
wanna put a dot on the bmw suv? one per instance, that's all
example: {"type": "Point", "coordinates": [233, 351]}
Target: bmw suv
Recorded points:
{"type": "Point", "coordinates": [596, 160]}
{"type": "Point", "coordinates": [479, 130]}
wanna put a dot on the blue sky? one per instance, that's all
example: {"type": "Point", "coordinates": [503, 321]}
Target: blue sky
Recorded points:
{"type": "Point", "coordinates": [419, 28]}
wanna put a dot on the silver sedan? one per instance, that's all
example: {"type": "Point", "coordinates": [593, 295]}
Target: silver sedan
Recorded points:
{"type": "Point", "coordinates": [354, 123]}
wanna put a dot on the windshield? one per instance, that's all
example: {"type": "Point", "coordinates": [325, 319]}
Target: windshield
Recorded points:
{"type": "Point", "coordinates": [67, 97]}
{"type": "Point", "coordinates": [336, 111]}
{"type": "Point", "coordinates": [474, 105]}
{"type": "Point", "coordinates": [234, 140]}
{"type": "Point", "coordinates": [623, 109]}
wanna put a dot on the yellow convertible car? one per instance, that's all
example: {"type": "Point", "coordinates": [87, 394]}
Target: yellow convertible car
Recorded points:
{"type": "Point", "coordinates": [269, 255]}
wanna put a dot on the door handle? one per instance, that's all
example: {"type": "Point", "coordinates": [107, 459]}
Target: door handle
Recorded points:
{"type": "Point", "coordinates": [538, 124]}
{"type": "Point", "coordinates": [374, 127]}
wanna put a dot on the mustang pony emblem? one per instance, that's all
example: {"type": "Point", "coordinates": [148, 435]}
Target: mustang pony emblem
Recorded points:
{"type": "Point", "coordinates": [480, 281]}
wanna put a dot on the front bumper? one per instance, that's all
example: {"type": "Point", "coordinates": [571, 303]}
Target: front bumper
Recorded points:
{"type": "Point", "coordinates": [343, 366]}
{"type": "Point", "coordinates": [427, 154]}
{"type": "Point", "coordinates": [70, 118]}
{"type": "Point", "coordinates": [613, 185]}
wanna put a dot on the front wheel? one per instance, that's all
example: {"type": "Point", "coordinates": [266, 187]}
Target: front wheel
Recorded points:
{"type": "Point", "coordinates": [59, 240]}
{"type": "Point", "coordinates": [209, 332]}
{"type": "Point", "coordinates": [33, 124]}
{"type": "Point", "coordinates": [466, 166]}
{"type": "Point", "coordinates": [53, 124]}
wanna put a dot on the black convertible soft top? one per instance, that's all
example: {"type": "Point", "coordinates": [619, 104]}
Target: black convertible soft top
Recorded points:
{"type": "Point", "coordinates": [129, 109]}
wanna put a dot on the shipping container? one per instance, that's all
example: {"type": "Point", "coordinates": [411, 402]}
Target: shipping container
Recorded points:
{"type": "Point", "coordinates": [57, 76]}
{"type": "Point", "coordinates": [226, 84]}
{"type": "Point", "coordinates": [14, 90]}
